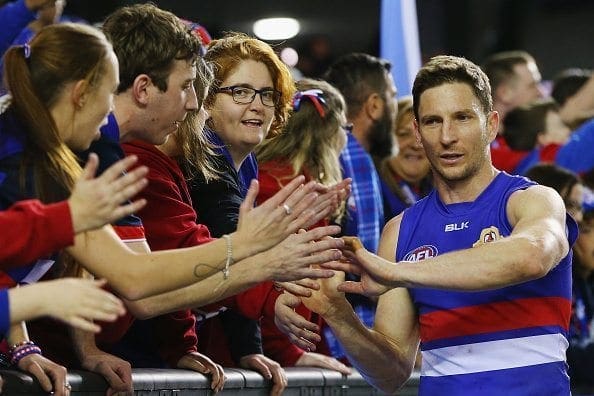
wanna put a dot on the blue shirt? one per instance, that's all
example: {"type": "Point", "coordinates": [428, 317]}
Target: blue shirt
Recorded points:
{"type": "Point", "coordinates": [576, 154]}
{"type": "Point", "coordinates": [248, 169]}
{"type": "Point", "coordinates": [13, 18]}
{"type": "Point", "coordinates": [365, 212]}
{"type": "Point", "coordinates": [109, 151]}
{"type": "Point", "coordinates": [4, 313]}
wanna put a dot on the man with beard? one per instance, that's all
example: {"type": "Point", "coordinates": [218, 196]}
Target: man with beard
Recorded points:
{"type": "Point", "coordinates": [368, 89]}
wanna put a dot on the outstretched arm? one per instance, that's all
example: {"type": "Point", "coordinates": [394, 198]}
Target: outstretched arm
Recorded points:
{"type": "Point", "coordinates": [93, 203]}
{"type": "Point", "coordinates": [291, 259]}
{"type": "Point", "coordinates": [259, 229]}
{"type": "Point", "coordinates": [385, 354]}
{"type": "Point", "coordinates": [536, 245]}
{"type": "Point", "coordinates": [75, 301]}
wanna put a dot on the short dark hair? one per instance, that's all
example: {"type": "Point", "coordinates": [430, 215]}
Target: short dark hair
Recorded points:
{"type": "Point", "coordinates": [146, 40]}
{"type": "Point", "coordinates": [356, 76]}
{"type": "Point", "coordinates": [499, 67]}
{"type": "Point", "coordinates": [554, 176]}
{"type": "Point", "coordinates": [523, 124]}
{"type": "Point", "coordinates": [568, 82]}
{"type": "Point", "coordinates": [445, 69]}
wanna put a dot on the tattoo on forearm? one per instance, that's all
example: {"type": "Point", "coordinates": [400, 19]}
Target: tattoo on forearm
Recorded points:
{"type": "Point", "coordinates": [199, 268]}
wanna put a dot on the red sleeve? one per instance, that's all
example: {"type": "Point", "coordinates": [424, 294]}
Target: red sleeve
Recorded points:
{"type": "Point", "coordinates": [169, 220]}
{"type": "Point", "coordinates": [30, 230]}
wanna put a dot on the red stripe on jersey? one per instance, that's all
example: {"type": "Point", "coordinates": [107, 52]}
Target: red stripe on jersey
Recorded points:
{"type": "Point", "coordinates": [129, 232]}
{"type": "Point", "coordinates": [499, 316]}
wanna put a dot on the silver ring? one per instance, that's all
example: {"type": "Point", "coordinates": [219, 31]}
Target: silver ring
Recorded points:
{"type": "Point", "coordinates": [67, 386]}
{"type": "Point", "coordinates": [287, 209]}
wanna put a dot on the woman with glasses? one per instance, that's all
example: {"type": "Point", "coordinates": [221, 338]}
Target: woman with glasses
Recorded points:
{"type": "Point", "coordinates": [249, 101]}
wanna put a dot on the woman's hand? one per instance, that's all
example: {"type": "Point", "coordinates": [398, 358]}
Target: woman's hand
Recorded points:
{"type": "Point", "coordinates": [96, 201]}
{"type": "Point", "coordinates": [292, 259]}
{"type": "Point", "coordinates": [260, 228]}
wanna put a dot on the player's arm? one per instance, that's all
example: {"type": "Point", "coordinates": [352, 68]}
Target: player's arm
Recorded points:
{"type": "Point", "coordinates": [537, 243]}
{"type": "Point", "coordinates": [384, 355]}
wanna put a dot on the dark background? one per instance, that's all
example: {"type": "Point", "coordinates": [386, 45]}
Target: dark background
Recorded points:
{"type": "Point", "coordinates": [559, 33]}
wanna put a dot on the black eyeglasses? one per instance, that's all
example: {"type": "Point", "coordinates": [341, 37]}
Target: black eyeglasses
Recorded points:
{"type": "Point", "coordinates": [246, 95]}
{"type": "Point", "coordinates": [348, 128]}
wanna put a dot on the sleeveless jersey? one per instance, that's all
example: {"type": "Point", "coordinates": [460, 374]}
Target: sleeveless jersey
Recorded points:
{"type": "Point", "coordinates": [507, 341]}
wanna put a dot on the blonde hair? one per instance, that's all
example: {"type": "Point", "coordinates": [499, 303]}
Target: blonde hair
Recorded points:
{"type": "Point", "coordinates": [309, 142]}
{"type": "Point", "coordinates": [195, 147]}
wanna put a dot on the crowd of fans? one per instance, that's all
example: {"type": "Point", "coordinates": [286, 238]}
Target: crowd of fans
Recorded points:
{"type": "Point", "coordinates": [171, 128]}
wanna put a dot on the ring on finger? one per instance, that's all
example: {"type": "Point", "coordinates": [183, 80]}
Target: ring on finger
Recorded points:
{"type": "Point", "coordinates": [287, 209]}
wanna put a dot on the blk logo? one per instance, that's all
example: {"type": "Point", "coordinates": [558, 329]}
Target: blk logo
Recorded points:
{"type": "Point", "coordinates": [456, 226]}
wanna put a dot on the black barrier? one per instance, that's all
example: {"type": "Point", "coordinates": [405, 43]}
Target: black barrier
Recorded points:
{"type": "Point", "coordinates": [151, 382]}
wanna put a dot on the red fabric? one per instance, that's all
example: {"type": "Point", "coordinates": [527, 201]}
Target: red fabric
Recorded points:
{"type": "Point", "coordinates": [272, 176]}
{"type": "Point", "coordinates": [30, 230]}
{"type": "Point", "coordinates": [503, 157]}
{"type": "Point", "coordinates": [167, 198]}
{"type": "Point", "coordinates": [129, 233]}
{"type": "Point", "coordinates": [496, 316]}
{"type": "Point", "coordinates": [169, 222]}
{"type": "Point", "coordinates": [549, 152]}
{"type": "Point", "coordinates": [53, 336]}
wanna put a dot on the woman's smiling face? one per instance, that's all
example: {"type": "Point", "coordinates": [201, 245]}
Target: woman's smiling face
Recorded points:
{"type": "Point", "coordinates": [243, 126]}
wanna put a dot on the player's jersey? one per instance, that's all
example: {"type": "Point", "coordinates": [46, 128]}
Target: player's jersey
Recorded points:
{"type": "Point", "coordinates": [508, 341]}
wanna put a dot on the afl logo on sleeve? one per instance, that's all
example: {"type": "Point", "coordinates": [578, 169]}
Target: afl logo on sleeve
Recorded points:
{"type": "Point", "coordinates": [421, 253]}
{"type": "Point", "coordinates": [490, 234]}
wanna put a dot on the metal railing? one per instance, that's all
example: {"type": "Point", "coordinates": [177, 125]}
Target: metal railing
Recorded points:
{"type": "Point", "coordinates": [302, 381]}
